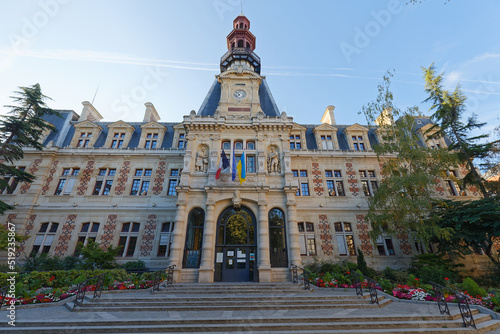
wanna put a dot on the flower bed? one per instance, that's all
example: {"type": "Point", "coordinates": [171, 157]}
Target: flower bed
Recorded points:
{"type": "Point", "coordinates": [49, 294]}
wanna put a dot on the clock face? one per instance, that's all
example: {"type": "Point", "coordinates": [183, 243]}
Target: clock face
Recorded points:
{"type": "Point", "coordinates": [239, 94]}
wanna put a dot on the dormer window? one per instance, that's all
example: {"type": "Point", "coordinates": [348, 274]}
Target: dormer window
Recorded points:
{"type": "Point", "coordinates": [358, 143]}
{"type": "Point", "coordinates": [84, 140]}
{"type": "Point", "coordinates": [118, 139]}
{"type": "Point", "coordinates": [151, 140]}
{"type": "Point", "coordinates": [326, 142]}
{"type": "Point", "coordinates": [295, 143]}
{"type": "Point", "coordinates": [182, 141]}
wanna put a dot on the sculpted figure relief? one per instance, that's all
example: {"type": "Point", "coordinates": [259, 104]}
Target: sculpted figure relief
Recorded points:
{"type": "Point", "coordinates": [201, 163]}
{"type": "Point", "coordinates": [273, 161]}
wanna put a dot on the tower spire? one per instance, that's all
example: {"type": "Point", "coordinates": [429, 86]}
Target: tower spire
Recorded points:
{"type": "Point", "coordinates": [240, 45]}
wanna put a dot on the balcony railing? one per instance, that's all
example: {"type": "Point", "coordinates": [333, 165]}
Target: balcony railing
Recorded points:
{"type": "Point", "coordinates": [240, 54]}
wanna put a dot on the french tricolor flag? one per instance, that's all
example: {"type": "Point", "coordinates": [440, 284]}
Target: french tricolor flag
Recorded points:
{"type": "Point", "coordinates": [223, 164]}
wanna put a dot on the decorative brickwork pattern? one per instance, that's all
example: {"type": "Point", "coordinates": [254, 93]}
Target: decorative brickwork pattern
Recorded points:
{"type": "Point", "coordinates": [10, 218]}
{"type": "Point", "coordinates": [473, 189]}
{"type": "Point", "coordinates": [33, 169]}
{"type": "Point", "coordinates": [84, 180]}
{"type": "Point", "coordinates": [325, 236]}
{"type": "Point", "coordinates": [108, 231]}
{"type": "Point", "coordinates": [403, 241]}
{"type": "Point", "coordinates": [439, 187]}
{"type": "Point", "coordinates": [351, 179]}
{"type": "Point", "coordinates": [122, 179]}
{"type": "Point", "coordinates": [29, 226]}
{"type": "Point", "coordinates": [50, 177]}
{"type": "Point", "coordinates": [362, 225]}
{"type": "Point", "coordinates": [317, 180]}
{"type": "Point", "coordinates": [148, 236]}
{"type": "Point", "coordinates": [160, 178]}
{"type": "Point", "coordinates": [65, 237]}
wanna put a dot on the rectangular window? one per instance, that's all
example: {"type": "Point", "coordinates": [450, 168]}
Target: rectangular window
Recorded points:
{"type": "Point", "coordinates": [385, 246]}
{"type": "Point", "coordinates": [250, 166]}
{"type": "Point", "coordinates": [328, 173]}
{"type": "Point", "coordinates": [173, 181]}
{"type": "Point", "coordinates": [11, 183]}
{"type": "Point", "coordinates": [366, 188]}
{"type": "Point", "coordinates": [104, 181]}
{"type": "Point", "coordinates": [295, 143]}
{"type": "Point", "coordinates": [295, 173]}
{"type": "Point", "coordinates": [304, 189]}
{"type": "Point", "coordinates": [44, 239]}
{"type": "Point", "coordinates": [165, 243]}
{"type": "Point", "coordinates": [250, 145]}
{"type": "Point", "coordinates": [303, 173]}
{"type": "Point", "coordinates": [306, 239]}
{"type": "Point", "coordinates": [135, 187]}
{"type": "Point", "coordinates": [182, 141]}
{"type": "Point", "coordinates": [335, 185]}
{"type": "Point", "coordinates": [238, 145]}
{"type": "Point", "coordinates": [369, 185]}
{"type": "Point", "coordinates": [345, 238]}
{"type": "Point", "coordinates": [226, 146]}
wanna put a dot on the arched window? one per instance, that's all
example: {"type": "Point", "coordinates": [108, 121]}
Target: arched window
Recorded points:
{"type": "Point", "coordinates": [194, 238]}
{"type": "Point", "coordinates": [232, 45]}
{"type": "Point", "coordinates": [248, 45]}
{"type": "Point", "coordinates": [277, 238]}
{"type": "Point", "coordinates": [241, 25]}
{"type": "Point", "coordinates": [240, 43]}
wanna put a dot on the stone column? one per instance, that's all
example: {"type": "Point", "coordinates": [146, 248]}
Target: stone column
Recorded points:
{"type": "Point", "coordinates": [179, 237]}
{"type": "Point", "coordinates": [293, 231]}
{"type": "Point", "coordinates": [264, 265]}
{"type": "Point", "coordinates": [206, 272]}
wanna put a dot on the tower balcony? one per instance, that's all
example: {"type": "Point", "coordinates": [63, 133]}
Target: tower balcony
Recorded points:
{"type": "Point", "coordinates": [239, 54]}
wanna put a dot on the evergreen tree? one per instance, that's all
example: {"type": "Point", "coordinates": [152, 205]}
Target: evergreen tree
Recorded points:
{"type": "Point", "coordinates": [22, 127]}
{"type": "Point", "coordinates": [449, 108]}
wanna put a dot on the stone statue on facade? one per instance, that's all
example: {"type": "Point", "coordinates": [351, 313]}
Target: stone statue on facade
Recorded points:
{"type": "Point", "coordinates": [201, 163]}
{"type": "Point", "coordinates": [273, 161]}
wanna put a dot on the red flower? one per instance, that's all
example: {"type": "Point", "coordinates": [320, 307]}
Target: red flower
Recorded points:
{"type": "Point", "coordinates": [52, 278]}
{"type": "Point", "coordinates": [446, 278]}
{"type": "Point", "coordinates": [416, 279]}
{"type": "Point", "coordinates": [348, 273]}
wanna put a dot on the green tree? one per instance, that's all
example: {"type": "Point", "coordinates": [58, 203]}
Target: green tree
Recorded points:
{"type": "Point", "coordinates": [405, 196]}
{"type": "Point", "coordinates": [475, 224]}
{"type": "Point", "coordinates": [22, 127]}
{"type": "Point", "coordinates": [94, 257]}
{"type": "Point", "coordinates": [449, 109]}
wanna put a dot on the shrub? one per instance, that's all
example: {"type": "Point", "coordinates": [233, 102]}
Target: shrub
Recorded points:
{"type": "Point", "coordinates": [473, 288]}
{"type": "Point", "coordinates": [394, 275]}
{"type": "Point", "coordinates": [41, 262]}
{"type": "Point", "coordinates": [362, 266]}
{"type": "Point", "coordinates": [133, 265]}
{"type": "Point", "coordinates": [94, 257]}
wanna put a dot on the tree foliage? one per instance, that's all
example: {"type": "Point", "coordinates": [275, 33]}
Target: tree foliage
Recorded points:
{"type": "Point", "coordinates": [475, 225]}
{"type": "Point", "coordinates": [449, 109]}
{"type": "Point", "coordinates": [404, 198]}
{"type": "Point", "coordinates": [94, 257]}
{"type": "Point", "coordinates": [22, 127]}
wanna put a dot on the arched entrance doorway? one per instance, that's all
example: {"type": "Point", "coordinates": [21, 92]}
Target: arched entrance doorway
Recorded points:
{"type": "Point", "coordinates": [236, 246]}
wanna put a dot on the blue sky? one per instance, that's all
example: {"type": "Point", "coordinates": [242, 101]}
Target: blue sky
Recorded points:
{"type": "Point", "coordinates": [314, 53]}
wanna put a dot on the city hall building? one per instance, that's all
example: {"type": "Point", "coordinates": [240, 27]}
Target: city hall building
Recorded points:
{"type": "Point", "coordinates": [150, 187]}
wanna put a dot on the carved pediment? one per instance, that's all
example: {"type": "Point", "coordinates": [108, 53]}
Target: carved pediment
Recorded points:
{"type": "Point", "coordinates": [325, 127]}
{"type": "Point", "coordinates": [299, 127]}
{"type": "Point", "coordinates": [87, 124]}
{"type": "Point", "coordinates": [355, 127]}
{"type": "Point", "coordinates": [120, 124]}
{"type": "Point", "coordinates": [153, 125]}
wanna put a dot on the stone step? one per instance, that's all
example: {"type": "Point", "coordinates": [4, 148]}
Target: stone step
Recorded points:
{"type": "Point", "coordinates": [237, 319]}
{"type": "Point", "coordinates": [231, 291]}
{"type": "Point", "coordinates": [423, 326]}
{"type": "Point", "coordinates": [108, 299]}
{"type": "Point", "coordinates": [217, 307]}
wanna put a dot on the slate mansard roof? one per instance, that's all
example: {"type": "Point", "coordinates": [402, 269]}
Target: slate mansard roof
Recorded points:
{"type": "Point", "coordinates": [212, 99]}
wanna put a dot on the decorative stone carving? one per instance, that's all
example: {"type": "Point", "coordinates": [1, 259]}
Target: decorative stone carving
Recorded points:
{"type": "Point", "coordinates": [237, 199]}
{"type": "Point", "coordinates": [273, 161]}
{"type": "Point", "coordinates": [284, 116]}
{"type": "Point", "coordinates": [201, 163]}
{"type": "Point", "coordinates": [192, 114]}
{"type": "Point", "coordinates": [260, 115]}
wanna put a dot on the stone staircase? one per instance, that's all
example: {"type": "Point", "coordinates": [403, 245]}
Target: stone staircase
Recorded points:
{"type": "Point", "coordinates": [255, 308]}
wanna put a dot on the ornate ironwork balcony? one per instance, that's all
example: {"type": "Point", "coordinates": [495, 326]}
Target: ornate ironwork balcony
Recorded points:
{"type": "Point", "coordinates": [239, 54]}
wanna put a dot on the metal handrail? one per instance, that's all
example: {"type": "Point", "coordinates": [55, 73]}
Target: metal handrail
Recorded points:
{"type": "Point", "coordinates": [157, 277]}
{"type": "Point", "coordinates": [81, 288]}
{"type": "Point", "coordinates": [462, 300]}
{"type": "Point", "coordinates": [295, 276]}
{"type": "Point", "coordinates": [3, 293]}
{"type": "Point", "coordinates": [372, 285]}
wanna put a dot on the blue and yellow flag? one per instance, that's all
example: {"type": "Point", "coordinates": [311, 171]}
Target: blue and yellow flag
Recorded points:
{"type": "Point", "coordinates": [242, 169]}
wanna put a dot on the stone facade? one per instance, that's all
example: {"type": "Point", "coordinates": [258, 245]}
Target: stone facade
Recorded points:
{"type": "Point", "coordinates": [137, 184]}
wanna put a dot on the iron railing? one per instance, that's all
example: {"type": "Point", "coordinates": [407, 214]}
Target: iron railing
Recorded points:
{"type": "Point", "coordinates": [462, 300]}
{"type": "Point", "coordinates": [370, 282]}
{"type": "Point", "coordinates": [296, 276]}
{"type": "Point", "coordinates": [3, 294]}
{"type": "Point", "coordinates": [82, 288]}
{"type": "Point", "coordinates": [158, 275]}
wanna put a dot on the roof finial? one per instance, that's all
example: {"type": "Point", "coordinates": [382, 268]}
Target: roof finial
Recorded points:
{"type": "Point", "coordinates": [241, 2]}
